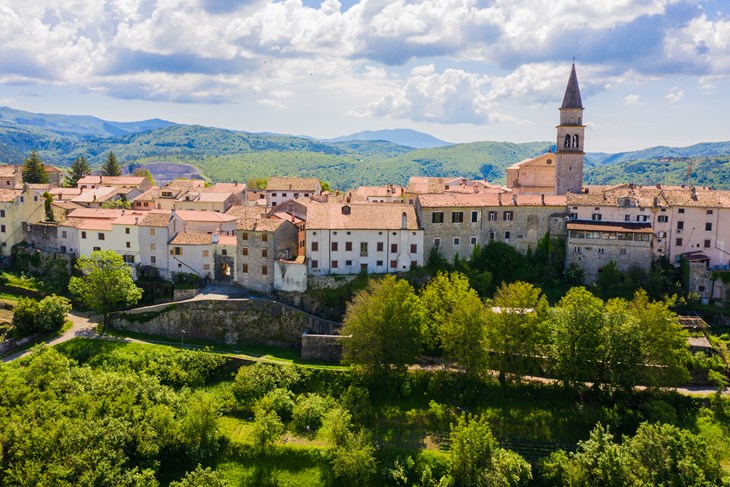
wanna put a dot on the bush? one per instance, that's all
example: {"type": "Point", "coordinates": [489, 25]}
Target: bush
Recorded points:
{"type": "Point", "coordinates": [279, 401]}
{"type": "Point", "coordinates": [31, 316]}
{"type": "Point", "coordinates": [309, 411]}
{"type": "Point", "coordinates": [254, 381]}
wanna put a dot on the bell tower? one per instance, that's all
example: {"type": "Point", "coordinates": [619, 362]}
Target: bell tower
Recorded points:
{"type": "Point", "coordinates": [569, 147]}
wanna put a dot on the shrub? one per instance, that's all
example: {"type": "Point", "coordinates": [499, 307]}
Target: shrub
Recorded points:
{"type": "Point", "coordinates": [31, 316]}
{"type": "Point", "coordinates": [309, 411]}
{"type": "Point", "coordinates": [279, 401]}
{"type": "Point", "coordinates": [254, 381]}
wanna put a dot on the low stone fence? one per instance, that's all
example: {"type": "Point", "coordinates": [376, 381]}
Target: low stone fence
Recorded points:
{"type": "Point", "coordinates": [183, 294]}
{"type": "Point", "coordinates": [8, 345]}
{"type": "Point", "coordinates": [327, 348]}
{"type": "Point", "coordinates": [230, 321]}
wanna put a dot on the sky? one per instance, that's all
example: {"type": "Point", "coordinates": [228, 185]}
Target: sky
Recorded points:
{"type": "Point", "coordinates": [651, 72]}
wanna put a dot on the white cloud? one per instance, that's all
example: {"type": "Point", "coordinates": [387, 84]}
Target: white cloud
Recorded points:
{"type": "Point", "coordinates": [632, 99]}
{"type": "Point", "coordinates": [675, 94]}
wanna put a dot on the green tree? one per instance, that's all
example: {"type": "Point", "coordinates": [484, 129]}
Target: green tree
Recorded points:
{"type": "Point", "coordinates": [34, 171]}
{"type": "Point", "coordinates": [144, 173]}
{"type": "Point", "coordinates": [575, 336]}
{"type": "Point", "coordinates": [516, 327]}
{"type": "Point", "coordinates": [31, 316]}
{"type": "Point", "coordinates": [463, 336]}
{"type": "Point", "coordinates": [384, 323]}
{"type": "Point", "coordinates": [48, 206]}
{"type": "Point", "coordinates": [609, 280]}
{"type": "Point", "coordinates": [79, 168]}
{"type": "Point", "coordinates": [201, 477]}
{"type": "Point", "coordinates": [111, 166]}
{"type": "Point", "coordinates": [621, 355]}
{"type": "Point", "coordinates": [475, 459]}
{"type": "Point", "coordinates": [106, 282]}
{"type": "Point", "coordinates": [440, 298]}
{"type": "Point", "coordinates": [352, 455]}
{"type": "Point", "coordinates": [267, 428]}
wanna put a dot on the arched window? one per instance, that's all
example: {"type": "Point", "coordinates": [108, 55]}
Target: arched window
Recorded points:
{"type": "Point", "coordinates": [575, 141]}
{"type": "Point", "coordinates": [566, 141]}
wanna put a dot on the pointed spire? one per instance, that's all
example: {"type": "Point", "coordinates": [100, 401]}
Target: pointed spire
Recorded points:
{"type": "Point", "coordinates": [572, 92]}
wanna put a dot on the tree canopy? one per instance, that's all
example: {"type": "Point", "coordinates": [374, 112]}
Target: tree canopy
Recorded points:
{"type": "Point", "coordinates": [110, 166]}
{"type": "Point", "coordinates": [79, 168]}
{"type": "Point", "coordinates": [106, 282]}
{"type": "Point", "coordinates": [34, 171]}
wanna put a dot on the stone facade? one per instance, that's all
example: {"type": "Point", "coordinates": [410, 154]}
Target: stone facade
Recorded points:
{"type": "Point", "coordinates": [327, 348]}
{"type": "Point", "coordinates": [232, 321]}
{"type": "Point", "coordinates": [592, 245]}
{"type": "Point", "coordinates": [260, 243]}
{"type": "Point", "coordinates": [456, 223]}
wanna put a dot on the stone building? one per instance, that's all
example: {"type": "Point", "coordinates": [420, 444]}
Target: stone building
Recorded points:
{"type": "Point", "coordinates": [458, 222]}
{"type": "Point", "coordinates": [593, 244]}
{"type": "Point", "coordinates": [279, 190]}
{"type": "Point", "coordinates": [261, 242]}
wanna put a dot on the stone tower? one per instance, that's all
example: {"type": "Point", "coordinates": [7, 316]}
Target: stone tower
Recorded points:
{"type": "Point", "coordinates": [569, 147]}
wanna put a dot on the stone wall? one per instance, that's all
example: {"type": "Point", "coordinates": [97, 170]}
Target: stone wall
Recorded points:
{"type": "Point", "coordinates": [327, 348]}
{"type": "Point", "coordinates": [183, 294]}
{"type": "Point", "coordinates": [329, 282]}
{"type": "Point", "coordinates": [231, 321]}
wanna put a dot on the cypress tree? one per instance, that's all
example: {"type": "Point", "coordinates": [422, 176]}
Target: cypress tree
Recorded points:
{"type": "Point", "coordinates": [79, 168]}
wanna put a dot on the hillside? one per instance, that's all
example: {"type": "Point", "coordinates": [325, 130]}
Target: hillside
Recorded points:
{"type": "Point", "coordinates": [406, 137]}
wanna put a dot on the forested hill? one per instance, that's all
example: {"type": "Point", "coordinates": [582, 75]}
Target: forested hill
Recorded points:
{"type": "Point", "coordinates": [228, 155]}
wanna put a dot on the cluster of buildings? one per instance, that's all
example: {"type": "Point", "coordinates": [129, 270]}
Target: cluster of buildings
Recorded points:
{"type": "Point", "coordinates": [279, 237]}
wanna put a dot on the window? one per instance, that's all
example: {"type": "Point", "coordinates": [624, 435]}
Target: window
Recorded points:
{"type": "Point", "coordinates": [678, 242]}
{"type": "Point", "coordinates": [95, 249]}
{"type": "Point", "coordinates": [273, 195]}
{"type": "Point", "coordinates": [63, 233]}
{"type": "Point", "coordinates": [680, 225]}
{"type": "Point", "coordinates": [152, 231]}
{"type": "Point", "coordinates": [662, 218]}
{"type": "Point", "coordinates": [709, 212]}
{"type": "Point", "coordinates": [393, 264]}
{"type": "Point", "coordinates": [128, 259]}
{"type": "Point", "coordinates": [627, 218]}
{"type": "Point", "coordinates": [414, 248]}
{"type": "Point", "coordinates": [681, 210]}
{"type": "Point", "coordinates": [474, 216]}
{"type": "Point", "coordinates": [283, 195]}
{"type": "Point", "coordinates": [244, 250]}
{"type": "Point", "coordinates": [83, 234]}
{"type": "Point", "coordinates": [348, 263]}
{"type": "Point", "coordinates": [348, 246]}
{"type": "Point", "coordinates": [334, 246]}
{"type": "Point", "coordinates": [576, 250]}
{"type": "Point", "coordinates": [600, 251]}
{"type": "Point", "coordinates": [128, 245]}
{"type": "Point", "coordinates": [492, 216]}
{"type": "Point", "coordinates": [126, 230]}
{"type": "Point", "coordinates": [508, 215]}
{"type": "Point", "coordinates": [707, 244]}
{"type": "Point", "coordinates": [334, 264]}
{"type": "Point", "coordinates": [224, 252]}
{"type": "Point", "coordinates": [315, 264]}
{"type": "Point", "coordinates": [708, 227]}
{"type": "Point", "coordinates": [492, 235]}
{"type": "Point", "coordinates": [264, 252]}
{"type": "Point", "coordinates": [380, 246]}
{"type": "Point", "coordinates": [206, 267]}
{"type": "Point", "coordinates": [152, 247]}
{"type": "Point", "coordinates": [642, 218]}
{"type": "Point", "coordinates": [244, 236]}
{"type": "Point", "coordinates": [379, 263]}
{"type": "Point", "coordinates": [2, 228]}
{"type": "Point", "coordinates": [393, 248]}
{"type": "Point", "coordinates": [264, 238]}
{"type": "Point", "coordinates": [176, 251]}
{"type": "Point", "coordinates": [507, 235]}
{"type": "Point", "coordinates": [457, 216]}
{"type": "Point", "coordinates": [437, 242]}
{"type": "Point", "coordinates": [363, 249]}
{"type": "Point", "coordinates": [100, 236]}
{"type": "Point", "coordinates": [35, 197]}
{"type": "Point", "coordinates": [596, 217]}
{"type": "Point", "coordinates": [244, 268]}
{"type": "Point", "coordinates": [315, 246]}
{"type": "Point", "coordinates": [2, 213]}
{"type": "Point", "coordinates": [205, 253]}
{"type": "Point", "coordinates": [437, 217]}
{"type": "Point", "coordinates": [457, 241]}
{"type": "Point", "coordinates": [153, 260]}
{"type": "Point", "coordinates": [473, 240]}
{"type": "Point", "coordinates": [264, 270]}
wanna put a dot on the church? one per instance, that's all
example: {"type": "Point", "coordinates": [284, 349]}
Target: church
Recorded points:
{"type": "Point", "coordinates": [561, 172]}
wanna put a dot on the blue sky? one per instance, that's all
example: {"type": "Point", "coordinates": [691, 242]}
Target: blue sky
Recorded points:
{"type": "Point", "coordinates": [652, 72]}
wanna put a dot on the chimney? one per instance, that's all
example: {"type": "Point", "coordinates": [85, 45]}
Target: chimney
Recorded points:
{"type": "Point", "coordinates": [514, 199]}
{"type": "Point", "coordinates": [215, 238]}
{"type": "Point", "coordinates": [542, 199]}
{"type": "Point", "coordinates": [499, 198]}
{"type": "Point", "coordinates": [693, 193]}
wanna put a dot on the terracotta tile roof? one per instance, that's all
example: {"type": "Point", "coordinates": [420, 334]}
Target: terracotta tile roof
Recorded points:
{"type": "Point", "coordinates": [66, 205]}
{"type": "Point", "coordinates": [186, 183]}
{"type": "Point", "coordinates": [475, 200]}
{"type": "Point", "coordinates": [72, 222]}
{"type": "Point", "coordinates": [103, 213]}
{"type": "Point", "coordinates": [229, 240]}
{"type": "Point", "coordinates": [8, 170]}
{"type": "Point", "coordinates": [218, 197]}
{"type": "Point", "coordinates": [226, 188]}
{"type": "Point", "coordinates": [282, 215]}
{"type": "Point", "coordinates": [150, 194]}
{"type": "Point", "coordinates": [292, 184]}
{"type": "Point", "coordinates": [156, 219]}
{"type": "Point", "coordinates": [425, 185]}
{"type": "Point", "coordinates": [204, 216]}
{"type": "Point", "coordinates": [362, 216]}
{"type": "Point", "coordinates": [247, 212]}
{"type": "Point", "coordinates": [7, 195]}
{"type": "Point", "coordinates": [265, 225]}
{"type": "Point", "coordinates": [39, 186]}
{"type": "Point", "coordinates": [64, 193]}
{"type": "Point", "coordinates": [128, 219]}
{"type": "Point", "coordinates": [387, 191]}
{"type": "Point", "coordinates": [651, 196]}
{"type": "Point", "coordinates": [96, 195]}
{"type": "Point", "coordinates": [601, 226]}
{"type": "Point", "coordinates": [48, 168]}
{"type": "Point", "coordinates": [192, 239]}
{"type": "Point", "coordinates": [105, 225]}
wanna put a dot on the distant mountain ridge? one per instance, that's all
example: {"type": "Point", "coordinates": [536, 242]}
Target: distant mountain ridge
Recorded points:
{"type": "Point", "coordinates": [404, 137]}
{"type": "Point", "coordinates": [367, 158]}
